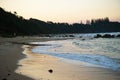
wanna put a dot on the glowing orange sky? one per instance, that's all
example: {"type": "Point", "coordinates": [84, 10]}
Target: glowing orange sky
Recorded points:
{"type": "Point", "coordinates": [64, 10]}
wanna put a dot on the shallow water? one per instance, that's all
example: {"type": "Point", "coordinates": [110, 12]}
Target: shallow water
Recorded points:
{"type": "Point", "coordinates": [102, 52]}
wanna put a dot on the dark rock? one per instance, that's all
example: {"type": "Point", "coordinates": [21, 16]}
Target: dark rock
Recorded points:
{"type": "Point", "coordinates": [118, 36]}
{"type": "Point", "coordinates": [98, 36]}
{"type": "Point", "coordinates": [108, 36]}
{"type": "Point", "coordinates": [104, 36]}
{"type": "Point", "coordinates": [50, 71]}
{"type": "Point", "coordinates": [71, 36]}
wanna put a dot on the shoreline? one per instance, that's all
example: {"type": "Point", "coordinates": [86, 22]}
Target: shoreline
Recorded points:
{"type": "Point", "coordinates": [41, 64]}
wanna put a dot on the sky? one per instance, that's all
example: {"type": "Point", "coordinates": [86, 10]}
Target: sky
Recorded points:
{"type": "Point", "coordinates": [69, 11]}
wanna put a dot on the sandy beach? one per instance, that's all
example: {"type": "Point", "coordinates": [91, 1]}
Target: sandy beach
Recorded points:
{"type": "Point", "coordinates": [14, 65]}
{"type": "Point", "coordinates": [38, 66]}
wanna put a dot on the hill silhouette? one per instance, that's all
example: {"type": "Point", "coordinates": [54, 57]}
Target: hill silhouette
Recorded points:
{"type": "Point", "coordinates": [14, 25]}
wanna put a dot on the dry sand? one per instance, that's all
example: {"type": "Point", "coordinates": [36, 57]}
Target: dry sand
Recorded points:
{"type": "Point", "coordinates": [9, 56]}
{"type": "Point", "coordinates": [37, 66]}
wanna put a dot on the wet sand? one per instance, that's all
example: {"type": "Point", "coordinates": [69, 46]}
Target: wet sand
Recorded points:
{"type": "Point", "coordinates": [45, 67]}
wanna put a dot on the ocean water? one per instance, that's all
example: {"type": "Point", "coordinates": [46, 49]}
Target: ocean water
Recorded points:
{"type": "Point", "coordinates": [102, 52]}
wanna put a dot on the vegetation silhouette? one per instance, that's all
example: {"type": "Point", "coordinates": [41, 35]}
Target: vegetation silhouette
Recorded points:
{"type": "Point", "coordinates": [12, 25]}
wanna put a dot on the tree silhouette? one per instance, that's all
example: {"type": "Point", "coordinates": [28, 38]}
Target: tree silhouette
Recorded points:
{"type": "Point", "coordinates": [14, 25]}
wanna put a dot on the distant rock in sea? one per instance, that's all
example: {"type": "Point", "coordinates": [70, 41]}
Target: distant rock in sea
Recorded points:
{"type": "Point", "coordinates": [107, 36]}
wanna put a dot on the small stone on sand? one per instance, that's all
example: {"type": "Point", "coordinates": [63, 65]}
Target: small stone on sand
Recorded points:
{"type": "Point", "coordinates": [50, 71]}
